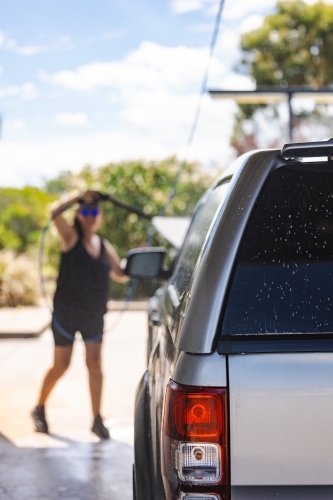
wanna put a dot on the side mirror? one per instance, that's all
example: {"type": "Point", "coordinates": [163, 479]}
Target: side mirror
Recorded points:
{"type": "Point", "coordinates": [146, 263]}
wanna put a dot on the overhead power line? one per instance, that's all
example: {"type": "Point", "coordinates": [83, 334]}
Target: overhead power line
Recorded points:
{"type": "Point", "coordinates": [194, 124]}
{"type": "Point", "coordinates": [191, 136]}
{"type": "Point", "coordinates": [203, 88]}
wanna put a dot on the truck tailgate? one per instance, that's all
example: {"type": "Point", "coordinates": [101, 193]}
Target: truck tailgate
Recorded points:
{"type": "Point", "coordinates": [281, 425]}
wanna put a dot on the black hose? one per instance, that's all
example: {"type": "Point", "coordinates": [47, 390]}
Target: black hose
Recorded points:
{"type": "Point", "coordinates": [125, 206]}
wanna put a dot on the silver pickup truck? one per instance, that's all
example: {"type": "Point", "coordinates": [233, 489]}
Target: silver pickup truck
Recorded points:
{"type": "Point", "coordinates": [237, 399]}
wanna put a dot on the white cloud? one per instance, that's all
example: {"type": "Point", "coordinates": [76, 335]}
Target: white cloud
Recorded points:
{"type": "Point", "coordinates": [30, 162]}
{"type": "Point", "coordinates": [111, 35]}
{"type": "Point", "coordinates": [157, 89]}
{"type": "Point", "coordinates": [155, 92]}
{"type": "Point", "coordinates": [201, 28]}
{"type": "Point", "coordinates": [63, 43]}
{"type": "Point", "coordinates": [251, 23]}
{"type": "Point", "coordinates": [238, 9]}
{"type": "Point", "coordinates": [26, 162]}
{"type": "Point", "coordinates": [71, 119]}
{"type": "Point", "coordinates": [25, 92]}
{"type": "Point", "coordinates": [31, 50]}
{"type": "Point", "coordinates": [10, 91]}
{"type": "Point", "coordinates": [14, 124]}
{"type": "Point", "coordinates": [10, 44]}
{"type": "Point", "coordinates": [236, 82]}
{"type": "Point", "coordinates": [150, 66]}
{"type": "Point", "coordinates": [151, 96]}
{"type": "Point", "coordinates": [182, 6]}
{"type": "Point", "coordinates": [28, 91]}
{"type": "Point", "coordinates": [235, 9]}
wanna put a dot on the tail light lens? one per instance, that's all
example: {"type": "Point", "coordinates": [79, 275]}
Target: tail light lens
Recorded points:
{"type": "Point", "coordinates": [197, 415]}
{"type": "Point", "coordinates": [195, 443]}
{"type": "Point", "coordinates": [199, 463]}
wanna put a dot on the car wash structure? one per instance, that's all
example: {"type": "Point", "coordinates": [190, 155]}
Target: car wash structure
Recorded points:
{"type": "Point", "coordinates": [276, 95]}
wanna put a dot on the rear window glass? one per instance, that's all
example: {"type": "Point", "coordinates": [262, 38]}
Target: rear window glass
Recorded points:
{"type": "Point", "coordinates": [283, 281]}
{"type": "Point", "coordinates": [196, 237]}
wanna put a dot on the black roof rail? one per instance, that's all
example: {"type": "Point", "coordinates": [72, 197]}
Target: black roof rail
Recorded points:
{"type": "Point", "coordinates": [308, 150]}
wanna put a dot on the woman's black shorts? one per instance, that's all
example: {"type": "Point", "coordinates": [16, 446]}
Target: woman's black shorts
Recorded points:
{"type": "Point", "coordinates": [64, 328]}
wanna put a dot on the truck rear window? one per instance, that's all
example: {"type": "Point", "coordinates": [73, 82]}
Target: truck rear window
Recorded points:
{"type": "Point", "coordinates": [196, 237]}
{"type": "Point", "coordinates": [283, 279]}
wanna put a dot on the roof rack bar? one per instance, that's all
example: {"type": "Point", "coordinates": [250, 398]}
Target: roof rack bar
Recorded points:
{"type": "Point", "coordinates": [308, 150]}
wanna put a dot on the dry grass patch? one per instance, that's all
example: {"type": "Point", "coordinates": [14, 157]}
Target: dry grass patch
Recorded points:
{"type": "Point", "coordinates": [19, 285]}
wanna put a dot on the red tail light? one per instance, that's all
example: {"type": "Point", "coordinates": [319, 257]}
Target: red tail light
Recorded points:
{"type": "Point", "coordinates": [195, 442]}
{"type": "Point", "coordinates": [198, 415]}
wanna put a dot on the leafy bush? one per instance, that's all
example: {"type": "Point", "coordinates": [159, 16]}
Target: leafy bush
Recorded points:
{"type": "Point", "coordinates": [19, 285]}
{"type": "Point", "coordinates": [144, 184]}
{"type": "Point", "coordinates": [23, 213]}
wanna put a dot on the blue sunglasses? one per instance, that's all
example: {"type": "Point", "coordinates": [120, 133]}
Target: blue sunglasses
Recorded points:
{"type": "Point", "coordinates": [93, 212]}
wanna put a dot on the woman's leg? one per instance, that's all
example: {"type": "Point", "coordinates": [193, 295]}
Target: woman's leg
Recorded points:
{"type": "Point", "coordinates": [62, 358]}
{"type": "Point", "coordinates": [93, 360]}
{"type": "Point", "coordinates": [94, 365]}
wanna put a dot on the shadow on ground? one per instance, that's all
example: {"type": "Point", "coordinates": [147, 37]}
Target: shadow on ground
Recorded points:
{"type": "Point", "coordinates": [68, 470]}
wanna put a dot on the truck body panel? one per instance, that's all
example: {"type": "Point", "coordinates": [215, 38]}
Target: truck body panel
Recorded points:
{"type": "Point", "coordinates": [281, 418]}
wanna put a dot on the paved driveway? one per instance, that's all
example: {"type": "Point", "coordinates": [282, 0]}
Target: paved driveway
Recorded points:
{"type": "Point", "coordinates": [70, 463]}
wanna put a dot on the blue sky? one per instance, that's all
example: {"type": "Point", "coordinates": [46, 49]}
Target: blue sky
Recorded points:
{"type": "Point", "coordinates": [91, 82]}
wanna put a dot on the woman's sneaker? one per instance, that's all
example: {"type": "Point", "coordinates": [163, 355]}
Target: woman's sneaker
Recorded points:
{"type": "Point", "coordinates": [99, 428]}
{"type": "Point", "coordinates": [38, 416]}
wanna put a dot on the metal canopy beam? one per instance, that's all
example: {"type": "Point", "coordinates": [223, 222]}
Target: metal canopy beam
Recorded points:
{"type": "Point", "coordinates": [266, 95]}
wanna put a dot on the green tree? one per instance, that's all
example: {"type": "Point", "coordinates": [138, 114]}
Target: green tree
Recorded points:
{"type": "Point", "coordinates": [293, 47]}
{"type": "Point", "coordinates": [145, 185]}
{"type": "Point", "coordinates": [23, 213]}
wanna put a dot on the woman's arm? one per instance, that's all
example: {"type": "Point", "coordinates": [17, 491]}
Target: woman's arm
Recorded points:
{"type": "Point", "coordinates": [66, 231]}
{"type": "Point", "coordinates": [116, 272]}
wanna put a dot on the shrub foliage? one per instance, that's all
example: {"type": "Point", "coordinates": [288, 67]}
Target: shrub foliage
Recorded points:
{"type": "Point", "coordinates": [24, 212]}
{"type": "Point", "coordinates": [19, 284]}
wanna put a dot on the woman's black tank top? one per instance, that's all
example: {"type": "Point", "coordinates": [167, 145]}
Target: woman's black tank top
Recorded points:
{"type": "Point", "coordinates": [83, 285]}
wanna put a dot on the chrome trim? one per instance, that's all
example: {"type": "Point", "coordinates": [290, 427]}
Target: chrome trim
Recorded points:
{"type": "Point", "coordinates": [173, 296]}
{"type": "Point", "coordinates": [274, 492]}
{"type": "Point", "coordinates": [188, 496]}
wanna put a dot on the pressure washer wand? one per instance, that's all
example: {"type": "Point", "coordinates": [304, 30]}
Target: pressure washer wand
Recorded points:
{"type": "Point", "coordinates": [126, 206]}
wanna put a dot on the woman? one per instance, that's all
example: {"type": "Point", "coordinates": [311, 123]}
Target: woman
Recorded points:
{"type": "Point", "coordinates": [80, 300]}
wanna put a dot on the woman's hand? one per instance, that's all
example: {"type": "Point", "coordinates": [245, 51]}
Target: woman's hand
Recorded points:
{"type": "Point", "coordinates": [67, 231]}
{"type": "Point", "coordinates": [90, 196]}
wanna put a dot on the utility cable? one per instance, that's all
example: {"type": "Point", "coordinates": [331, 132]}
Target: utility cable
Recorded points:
{"type": "Point", "coordinates": [194, 125]}
{"type": "Point", "coordinates": [190, 139]}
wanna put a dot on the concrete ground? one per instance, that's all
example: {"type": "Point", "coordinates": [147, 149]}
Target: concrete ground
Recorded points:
{"type": "Point", "coordinates": [70, 463]}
